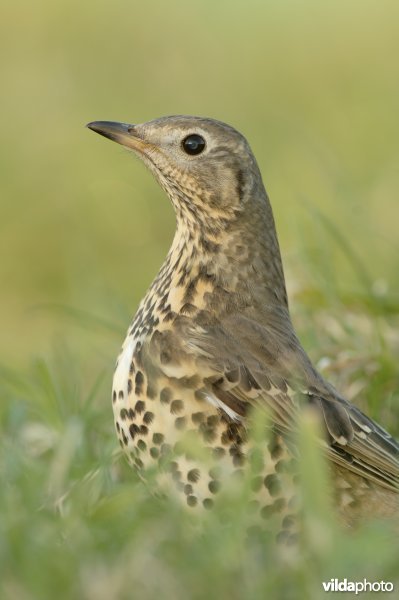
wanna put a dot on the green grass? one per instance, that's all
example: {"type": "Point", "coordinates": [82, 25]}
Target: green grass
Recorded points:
{"type": "Point", "coordinates": [77, 523]}
{"type": "Point", "coordinates": [83, 230]}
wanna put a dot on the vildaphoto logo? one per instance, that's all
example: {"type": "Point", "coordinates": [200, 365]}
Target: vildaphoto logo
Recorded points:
{"type": "Point", "coordinates": [343, 585]}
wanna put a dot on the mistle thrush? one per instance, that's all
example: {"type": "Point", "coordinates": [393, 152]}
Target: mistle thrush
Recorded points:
{"type": "Point", "coordinates": [213, 338]}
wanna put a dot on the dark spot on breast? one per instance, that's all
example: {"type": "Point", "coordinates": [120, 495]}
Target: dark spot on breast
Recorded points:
{"type": "Point", "coordinates": [190, 382]}
{"type": "Point", "coordinates": [237, 455]}
{"type": "Point", "coordinates": [236, 434]}
{"type": "Point", "coordinates": [138, 354]}
{"type": "Point", "coordinates": [170, 315]}
{"type": "Point", "coordinates": [213, 420]}
{"type": "Point", "coordinates": [199, 395]}
{"type": "Point", "coordinates": [232, 434]}
{"type": "Point", "coordinates": [120, 394]}
{"type": "Point", "coordinates": [208, 433]}
{"type": "Point", "coordinates": [141, 445]}
{"type": "Point", "coordinates": [190, 290]}
{"type": "Point", "coordinates": [123, 414]}
{"type": "Point", "coordinates": [188, 489]}
{"type": "Point", "coordinates": [139, 380]}
{"type": "Point", "coordinates": [208, 503]}
{"type": "Point", "coordinates": [148, 417]}
{"type": "Point", "coordinates": [214, 487]}
{"type": "Point", "coordinates": [158, 438]}
{"type": "Point", "coordinates": [193, 475]}
{"type": "Point", "coordinates": [124, 438]}
{"type": "Point", "coordinates": [274, 446]}
{"type": "Point", "coordinates": [163, 301]}
{"type": "Point", "coordinates": [132, 368]}
{"type": "Point", "coordinates": [150, 322]}
{"type": "Point", "coordinates": [131, 414]}
{"type": "Point", "coordinates": [134, 430]}
{"type": "Point", "coordinates": [165, 309]}
{"type": "Point", "coordinates": [114, 396]}
{"type": "Point", "coordinates": [166, 395]}
{"type": "Point", "coordinates": [182, 277]}
{"type": "Point", "coordinates": [118, 427]}
{"type": "Point", "coordinates": [154, 452]}
{"type": "Point", "coordinates": [140, 406]}
{"type": "Point", "coordinates": [197, 417]}
{"type": "Point", "coordinates": [143, 430]}
{"type": "Point", "coordinates": [129, 386]}
{"type": "Point", "coordinates": [176, 407]}
{"type": "Point", "coordinates": [224, 438]}
{"type": "Point", "coordinates": [188, 309]}
{"type": "Point", "coordinates": [192, 500]}
{"type": "Point", "coordinates": [273, 485]}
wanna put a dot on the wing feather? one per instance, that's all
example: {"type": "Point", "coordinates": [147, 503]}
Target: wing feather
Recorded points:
{"type": "Point", "coordinates": [254, 365]}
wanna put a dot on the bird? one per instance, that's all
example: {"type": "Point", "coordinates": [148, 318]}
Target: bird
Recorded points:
{"type": "Point", "coordinates": [212, 343]}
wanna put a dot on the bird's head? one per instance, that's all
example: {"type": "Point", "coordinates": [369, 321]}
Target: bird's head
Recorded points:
{"type": "Point", "coordinates": [205, 166]}
{"type": "Point", "coordinates": [223, 214]}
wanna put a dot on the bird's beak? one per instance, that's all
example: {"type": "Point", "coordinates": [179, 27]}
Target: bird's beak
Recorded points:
{"type": "Point", "coordinates": [123, 133]}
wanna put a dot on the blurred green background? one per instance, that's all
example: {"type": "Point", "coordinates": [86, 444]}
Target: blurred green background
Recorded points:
{"type": "Point", "coordinates": [83, 229]}
{"type": "Point", "coordinates": [313, 85]}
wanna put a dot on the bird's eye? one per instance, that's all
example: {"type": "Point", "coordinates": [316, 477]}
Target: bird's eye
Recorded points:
{"type": "Point", "coordinates": [193, 144]}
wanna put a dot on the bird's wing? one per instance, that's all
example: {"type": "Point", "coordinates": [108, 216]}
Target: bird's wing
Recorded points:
{"type": "Point", "coordinates": [246, 364]}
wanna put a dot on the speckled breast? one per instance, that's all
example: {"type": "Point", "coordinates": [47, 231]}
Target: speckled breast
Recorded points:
{"type": "Point", "coordinates": [167, 422]}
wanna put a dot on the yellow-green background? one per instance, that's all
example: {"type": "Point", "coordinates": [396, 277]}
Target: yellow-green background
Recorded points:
{"type": "Point", "coordinates": [313, 85]}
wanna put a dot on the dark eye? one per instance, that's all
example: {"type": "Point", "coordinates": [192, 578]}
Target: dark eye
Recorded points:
{"type": "Point", "coordinates": [193, 144]}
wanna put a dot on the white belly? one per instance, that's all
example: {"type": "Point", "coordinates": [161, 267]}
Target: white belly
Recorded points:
{"type": "Point", "coordinates": [121, 375]}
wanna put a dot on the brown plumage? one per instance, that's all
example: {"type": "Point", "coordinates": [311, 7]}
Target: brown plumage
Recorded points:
{"type": "Point", "coordinates": [213, 337]}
